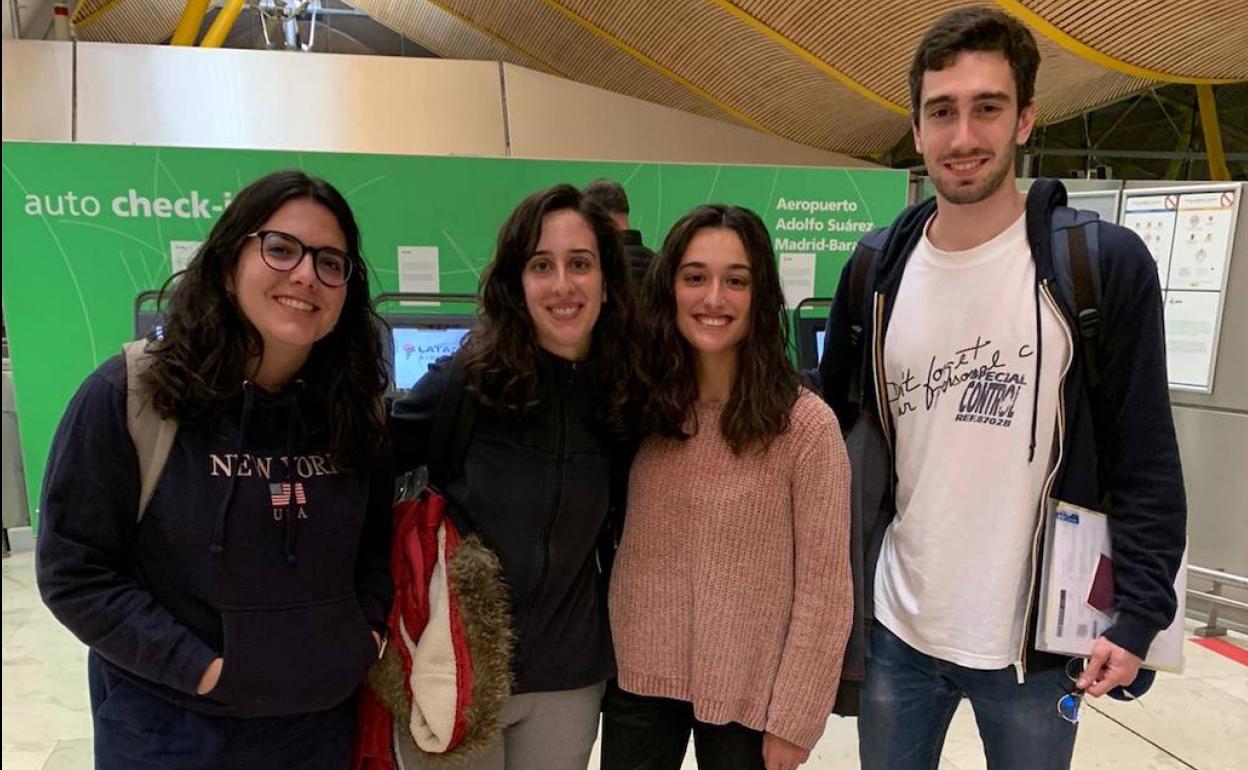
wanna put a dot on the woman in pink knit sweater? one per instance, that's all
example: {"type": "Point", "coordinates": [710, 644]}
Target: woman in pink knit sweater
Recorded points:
{"type": "Point", "coordinates": [731, 598]}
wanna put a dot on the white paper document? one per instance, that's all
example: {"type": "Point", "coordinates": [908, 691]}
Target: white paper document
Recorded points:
{"type": "Point", "coordinates": [180, 254]}
{"type": "Point", "coordinates": [1076, 540]}
{"type": "Point", "coordinates": [419, 271]}
{"type": "Point", "coordinates": [797, 277]}
{"type": "Point", "coordinates": [1191, 337]}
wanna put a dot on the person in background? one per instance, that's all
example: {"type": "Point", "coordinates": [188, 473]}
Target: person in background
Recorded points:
{"type": "Point", "coordinates": [610, 196]}
{"type": "Point", "coordinates": [230, 623]}
{"type": "Point", "coordinates": [731, 596]}
{"type": "Point", "coordinates": [549, 368]}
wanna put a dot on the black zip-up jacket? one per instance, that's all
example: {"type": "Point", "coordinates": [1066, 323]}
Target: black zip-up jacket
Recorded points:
{"type": "Point", "coordinates": [1119, 454]}
{"type": "Point", "coordinates": [639, 257]}
{"type": "Point", "coordinates": [284, 583]}
{"type": "Point", "coordinates": [537, 488]}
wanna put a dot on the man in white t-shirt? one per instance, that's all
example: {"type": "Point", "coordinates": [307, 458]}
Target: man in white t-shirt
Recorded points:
{"type": "Point", "coordinates": [973, 363]}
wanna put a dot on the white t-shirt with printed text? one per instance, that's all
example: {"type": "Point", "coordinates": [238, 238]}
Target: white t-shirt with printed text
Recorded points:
{"type": "Point", "coordinates": [960, 369]}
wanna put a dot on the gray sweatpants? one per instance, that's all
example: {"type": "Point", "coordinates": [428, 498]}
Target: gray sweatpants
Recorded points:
{"type": "Point", "coordinates": [541, 731]}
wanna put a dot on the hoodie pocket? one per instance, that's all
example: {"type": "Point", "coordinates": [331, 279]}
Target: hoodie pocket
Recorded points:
{"type": "Point", "coordinates": [291, 659]}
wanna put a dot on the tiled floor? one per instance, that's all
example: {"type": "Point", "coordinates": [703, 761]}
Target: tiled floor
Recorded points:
{"type": "Point", "coordinates": [1198, 720]}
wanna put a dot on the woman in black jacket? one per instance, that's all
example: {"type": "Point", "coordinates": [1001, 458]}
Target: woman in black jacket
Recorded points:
{"type": "Point", "coordinates": [548, 367]}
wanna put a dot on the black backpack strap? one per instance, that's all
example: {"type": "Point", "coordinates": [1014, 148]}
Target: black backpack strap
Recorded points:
{"type": "Point", "coordinates": [862, 263]}
{"type": "Point", "coordinates": [1086, 300]}
{"type": "Point", "coordinates": [863, 259]}
{"type": "Point", "coordinates": [1077, 260]}
{"type": "Point", "coordinates": [451, 434]}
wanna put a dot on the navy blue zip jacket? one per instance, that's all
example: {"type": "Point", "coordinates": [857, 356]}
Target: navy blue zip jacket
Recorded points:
{"type": "Point", "coordinates": [285, 583]}
{"type": "Point", "coordinates": [1119, 452]}
{"type": "Point", "coordinates": [537, 487]}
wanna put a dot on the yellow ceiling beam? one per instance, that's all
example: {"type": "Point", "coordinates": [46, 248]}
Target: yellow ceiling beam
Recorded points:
{"type": "Point", "coordinates": [1084, 51]}
{"type": "Point", "coordinates": [190, 23]}
{"type": "Point", "coordinates": [1218, 171]}
{"type": "Point", "coordinates": [658, 67]}
{"type": "Point", "coordinates": [809, 57]}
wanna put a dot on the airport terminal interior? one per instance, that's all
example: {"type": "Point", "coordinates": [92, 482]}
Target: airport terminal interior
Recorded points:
{"type": "Point", "coordinates": [129, 126]}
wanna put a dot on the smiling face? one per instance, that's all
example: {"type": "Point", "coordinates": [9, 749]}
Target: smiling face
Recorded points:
{"type": "Point", "coordinates": [563, 285]}
{"type": "Point", "coordinates": [713, 289]}
{"type": "Point", "coordinates": [969, 126]}
{"type": "Point", "coordinates": [291, 310]}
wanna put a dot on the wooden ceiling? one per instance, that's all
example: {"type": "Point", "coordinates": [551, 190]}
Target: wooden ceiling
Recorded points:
{"type": "Point", "coordinates": [829, 75]}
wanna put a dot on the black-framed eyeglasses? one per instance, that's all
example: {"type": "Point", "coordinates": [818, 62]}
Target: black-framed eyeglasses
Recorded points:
{"type": "Point", "coordinates": [284, 252]}
{"type": "Point", "coordinates": [1070, 705]}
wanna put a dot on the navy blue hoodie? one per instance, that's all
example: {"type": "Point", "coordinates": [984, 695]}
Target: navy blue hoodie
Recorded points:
{"type": "Point", "coordinates": [1119, 453]}
{"type": "Point", "coordinates": [256, 548]}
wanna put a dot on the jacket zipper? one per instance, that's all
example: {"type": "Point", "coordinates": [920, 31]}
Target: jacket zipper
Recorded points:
{"type": "Point", "coordinates": [560, 453]}
{"type": "Point", "coordinates": [1021, 664]}
{"type": "Point", "coordinates": [877, 361]}
{"type": "Point", "coordinates": [549, 526]}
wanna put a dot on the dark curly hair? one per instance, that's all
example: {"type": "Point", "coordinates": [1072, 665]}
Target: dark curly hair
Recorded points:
{"type": "Point", "coordinates": [976, 28]}
{"type": "Point", "coordinates": [201, 361]}
{"type": "Point", "coordinates": [501, 350]}
{"type": "Point", "coordinates": [766, 386]}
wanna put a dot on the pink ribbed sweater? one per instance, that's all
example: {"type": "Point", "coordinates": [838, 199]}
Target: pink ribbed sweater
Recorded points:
{"type": "Point", "coordinates": [731, 588]}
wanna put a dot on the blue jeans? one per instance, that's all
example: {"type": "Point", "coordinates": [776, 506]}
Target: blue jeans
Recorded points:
{"type": "Point", "coordinates": [135, 730]}
{"type": "Point", "coordinates": [908, 699]}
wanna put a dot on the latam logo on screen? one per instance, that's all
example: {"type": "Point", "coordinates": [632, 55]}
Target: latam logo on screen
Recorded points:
{"type": "Point", "coordinates": [437, 350]}
{"type": "Point", "coordinates": [416, 349]}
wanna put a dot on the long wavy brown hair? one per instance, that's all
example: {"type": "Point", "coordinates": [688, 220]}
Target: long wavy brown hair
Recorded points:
{"type": "Point", "coordinates": [502, 349]}
{"type": "Point", "coordinates": [766, 385]}
{"type": "Point", "coordinates": [200, 362]}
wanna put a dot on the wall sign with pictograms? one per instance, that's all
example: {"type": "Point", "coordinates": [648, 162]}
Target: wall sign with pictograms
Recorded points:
{"type": "Point", "coordinates": [1190, 232]}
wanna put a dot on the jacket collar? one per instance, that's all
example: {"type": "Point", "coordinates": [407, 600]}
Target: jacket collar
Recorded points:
{"type": "Point", "coordinates": [1043, 197]}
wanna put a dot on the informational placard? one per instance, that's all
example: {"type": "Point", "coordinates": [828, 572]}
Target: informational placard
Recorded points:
{"type": "Point", "coordinates": [1191, 330]}
{"type": "Point", "coordinates": [1152, 217]}
{"type": "Point", "coordinates": [1202, 239]}
{"type": "Point", "coordinates": [797, 277]}
{"type": "Point", "coordinates": [1190, 232]}
{"type": "Point", "coordinates": [180, 254]}
{"type": "Point", "coordinates": [419, 271]}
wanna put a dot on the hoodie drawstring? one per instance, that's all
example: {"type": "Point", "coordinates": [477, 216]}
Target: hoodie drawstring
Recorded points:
{"type": "Point", "coordinates": [291, 477]}
{"type": "Point", "coordinates": [223, 511]}
{"type": "Point", "coordinates": [1035, 387]}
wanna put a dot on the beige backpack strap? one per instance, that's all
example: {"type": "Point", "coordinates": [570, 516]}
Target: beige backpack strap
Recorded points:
{"type": "Point", "coordinates": [152, 434]}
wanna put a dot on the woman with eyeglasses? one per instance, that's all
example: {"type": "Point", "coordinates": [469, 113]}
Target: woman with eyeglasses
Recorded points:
{"type": "Point", "coordinates": [731, 595]}
{"type": "Point", "coordinates": [232, 618]}
{"type": "Point", "coordinates": [548, 368]}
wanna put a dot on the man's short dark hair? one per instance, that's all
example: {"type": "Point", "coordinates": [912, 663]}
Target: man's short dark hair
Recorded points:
{"type": "Point", "coordinates": [977, 28]}
{"type": "Point", "coordinates": [609, 194]}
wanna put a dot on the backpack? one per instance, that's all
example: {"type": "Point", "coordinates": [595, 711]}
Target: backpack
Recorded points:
{"type": "Point", "coordinates": [441, 683]}
{"type": "Point", "coordinates": [151, 434]}
{"type": "Point", "coordinates": [1076, 258]}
